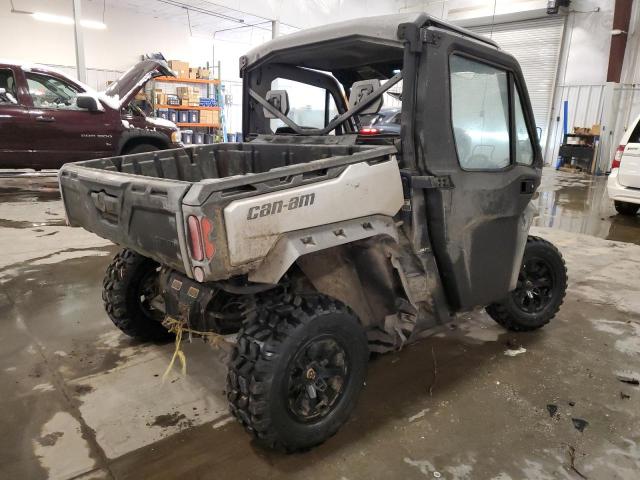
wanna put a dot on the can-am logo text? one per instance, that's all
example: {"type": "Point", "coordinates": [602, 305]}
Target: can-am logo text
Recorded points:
{"type": "Point", "coordinates": [279, 206]}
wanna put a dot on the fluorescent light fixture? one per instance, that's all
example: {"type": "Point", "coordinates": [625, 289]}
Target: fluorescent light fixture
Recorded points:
{"type": "Point", "coordinates": [49, 17]}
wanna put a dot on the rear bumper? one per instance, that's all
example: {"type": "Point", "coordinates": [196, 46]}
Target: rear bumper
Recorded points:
{"type": "Point", "coordinates": [619, 192]}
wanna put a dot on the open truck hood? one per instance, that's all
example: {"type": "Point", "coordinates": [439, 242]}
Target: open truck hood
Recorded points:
{"type": "Point", "coordinates": [122, 91]}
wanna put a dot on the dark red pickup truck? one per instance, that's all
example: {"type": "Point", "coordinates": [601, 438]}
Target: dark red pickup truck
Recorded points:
{"type": "Point", "coordinates": [47, 118]}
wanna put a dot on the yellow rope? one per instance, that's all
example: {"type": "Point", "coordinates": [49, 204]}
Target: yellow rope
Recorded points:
{"type": "Point", "coordinates": [178, 327]}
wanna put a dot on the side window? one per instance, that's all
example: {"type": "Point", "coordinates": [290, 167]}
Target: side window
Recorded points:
{"type": "Point", "coordinates": [480, 114]}
{"type": "Point", "coordinates": [50, 92]}
{"type": "Point", "coordinates": [306, 104]}
{"type": "Point", "coordinates": [8, 84]}
{"type": "Point", "coordinates": [524, 149]}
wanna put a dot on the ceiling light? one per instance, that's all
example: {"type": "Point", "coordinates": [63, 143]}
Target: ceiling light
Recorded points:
{"type": "Point", "coordinates": [49, 17]}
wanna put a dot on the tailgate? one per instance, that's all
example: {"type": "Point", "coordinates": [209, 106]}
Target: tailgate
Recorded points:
{"type": "Point", "coordinates": [141, 213]}
{"type": "Point", "coordinates": [629, 173]}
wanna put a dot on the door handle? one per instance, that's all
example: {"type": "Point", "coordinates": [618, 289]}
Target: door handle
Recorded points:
{"type": "Point", "coordinates": [42, 118]}
{"type": "Point", "coordinates": [527, 187]}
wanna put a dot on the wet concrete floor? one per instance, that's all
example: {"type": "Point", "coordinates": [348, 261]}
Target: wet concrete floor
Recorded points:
{"type": "Point", "coordinates": [80, 400]}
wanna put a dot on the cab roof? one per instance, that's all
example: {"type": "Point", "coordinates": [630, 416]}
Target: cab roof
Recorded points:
{"type": "Point", "coordinates": [365, 36]}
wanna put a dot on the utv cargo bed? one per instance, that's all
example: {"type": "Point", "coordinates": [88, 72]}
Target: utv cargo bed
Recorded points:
{"type": "Point", "coordinates": [137, 201]}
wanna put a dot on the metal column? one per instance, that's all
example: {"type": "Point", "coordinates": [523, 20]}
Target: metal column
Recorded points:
{"type": "Point", "coordinates": [77, 28]}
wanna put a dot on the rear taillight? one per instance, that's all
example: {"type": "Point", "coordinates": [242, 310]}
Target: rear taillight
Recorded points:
{"type": "Point", "coordinates": [209, 246]}
{"type": "Point", "coordinates": [369, 131]}
{"type": "Point", "coordinates": [200, 230]}
{"type": "Point", "coordinates": [617, 158]}
{"type": "Point", "coordinates": [195, 238]}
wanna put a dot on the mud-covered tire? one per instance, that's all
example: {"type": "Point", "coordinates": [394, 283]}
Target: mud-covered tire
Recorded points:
{"type": "Point", "coordinates": [626, 208]}
{"type": "Point", "coordinates": [121, 293]}
{"type": "Point", "coordinates": [510, 312]}
{"type": "Point", "coordinates": [264, 361]}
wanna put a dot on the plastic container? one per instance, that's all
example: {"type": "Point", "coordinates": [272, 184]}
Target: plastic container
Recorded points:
{"type": "Point", "coordinates": [162, 113]}
{"type": "Point", "coordinates": [187, 136]}
{"type": "Point", "coordinates": [183, 116]}
{"type": "Point", "coordinates": [209, 138]}
{"type": "Point", "coordinates": [172, 115]}
{"type": "Point", "coordinates": [198, 138]}
{"type": "Point", "coordinates": [194, 117]}
{"type": "Point", "coordinates": [231, 137]}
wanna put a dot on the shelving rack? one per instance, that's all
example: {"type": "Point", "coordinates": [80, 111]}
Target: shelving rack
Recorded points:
{"type": "Point", "coordinates": [213, 91]}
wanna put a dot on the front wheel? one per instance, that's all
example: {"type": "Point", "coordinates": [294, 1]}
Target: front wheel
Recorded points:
{"type": "Point", "coordinates": [626, 208]}
{"type": "Point", "coordinates": [296, 371]}
{"type": "Point", "coordinates": [541, 287]}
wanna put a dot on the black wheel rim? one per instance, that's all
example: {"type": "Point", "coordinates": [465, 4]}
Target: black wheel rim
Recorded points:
{"type": "Point", "coordinates": [318, 377]}
{"type": "Point", "coordinates": [148, 291]}
{"type": "Point", "coordinates": [535, 286]}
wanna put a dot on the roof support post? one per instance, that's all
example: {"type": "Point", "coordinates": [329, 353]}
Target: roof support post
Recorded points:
{"type": "Point", "coordinates": [79, 40]}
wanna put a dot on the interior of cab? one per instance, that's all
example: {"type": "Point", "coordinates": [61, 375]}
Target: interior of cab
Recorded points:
{"type": "Point", "coordinates": [329, 90]}
{"type": "Point", "coordinates": [8, 84]}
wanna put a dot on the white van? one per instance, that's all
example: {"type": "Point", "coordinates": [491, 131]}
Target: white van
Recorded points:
{"type": "Point", "coordinates": [623, 185]}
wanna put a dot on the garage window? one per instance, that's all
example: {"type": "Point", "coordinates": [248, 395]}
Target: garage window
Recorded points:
{"type": "Point", "coordinates": [50, 92]}
{"type": "Point", "coordinates": [8, 83]}
{"type": "Point", "coordinates": [480, 114]}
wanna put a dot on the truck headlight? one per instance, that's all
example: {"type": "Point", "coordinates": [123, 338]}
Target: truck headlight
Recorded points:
{"type": "Point", "coordinates": [176, 137]}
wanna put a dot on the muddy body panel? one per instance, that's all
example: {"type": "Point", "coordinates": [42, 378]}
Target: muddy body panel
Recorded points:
{"type": "Point", "coordinates": [251, 194]}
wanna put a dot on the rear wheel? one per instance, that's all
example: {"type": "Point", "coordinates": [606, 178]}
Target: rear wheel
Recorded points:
{"type": "Point", "coordinates": [130, 283]}
{"type": "Point", "coordinates": [297, 370]}
{"type": "Point", "coordinates": [541, 287]}
{"type": "Point", "coordinates": [626, 208]}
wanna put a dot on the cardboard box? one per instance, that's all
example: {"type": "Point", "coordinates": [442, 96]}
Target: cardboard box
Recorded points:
{"type": "Point", "coordinates": [193, 73]}
{"type": "Point", "coordinates": [184, 101]}
{"type": "Point", "coordinates": [210, 117]}
{"type": "Point", "coordinates": [161, 98]}
{"type": "Point", "coordinates": [182, 92]}
{"type": "Point", "coordinates": [596, 130]}
{"type": "Point", "coordinates": [204, 73]}
{"type": "Point", "coordinates": [180, 68]}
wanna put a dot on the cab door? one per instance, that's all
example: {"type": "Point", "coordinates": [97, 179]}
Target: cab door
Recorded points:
{"type": "Point", "coordinates": [475, 128]}
{"type": "Point", "coordinates": [15, 122]}
{"type": "Point", "coordinates": [63, 132]}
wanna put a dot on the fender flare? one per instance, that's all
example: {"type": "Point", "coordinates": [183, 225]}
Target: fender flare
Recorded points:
{"type": "Point", "coordinates": [292, 245]}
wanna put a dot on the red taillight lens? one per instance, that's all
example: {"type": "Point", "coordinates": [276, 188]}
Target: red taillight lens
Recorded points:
{"type": "Point", "coordinates": [207, 228]}
{"type": "Point", "coordinates": [369, 131]}
{"type": "Point", "coordinates": [617, 158]}
{"type": "Point", "coordinates": [195, 238]}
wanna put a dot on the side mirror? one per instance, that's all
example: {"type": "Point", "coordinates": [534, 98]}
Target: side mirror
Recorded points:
{"type": "Point", "coordinates": [88, 102]}
{"type": "Point", "coordinates": [279, 99]}
{"type": "Point", "coordinates": [360, 91]}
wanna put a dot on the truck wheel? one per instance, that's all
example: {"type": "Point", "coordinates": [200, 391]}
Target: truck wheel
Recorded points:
{"type": "Point", "coordinates": [626, 208]}
{"type": "Point", "coordinates": [541, 287]}
{"type": "Point", "coordinates": [129, 285]}
{"type": "Point", "coordinates": [296, 371]}
{"type": "Point", "coordinates": [142, 148]}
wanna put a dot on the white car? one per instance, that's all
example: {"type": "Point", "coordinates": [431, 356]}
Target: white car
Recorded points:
{"type": "Point", "coordinates": [623, 185]}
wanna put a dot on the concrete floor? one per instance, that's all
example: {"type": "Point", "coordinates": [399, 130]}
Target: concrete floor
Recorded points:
{"type": "Point", "coordinates": [80, 400]}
